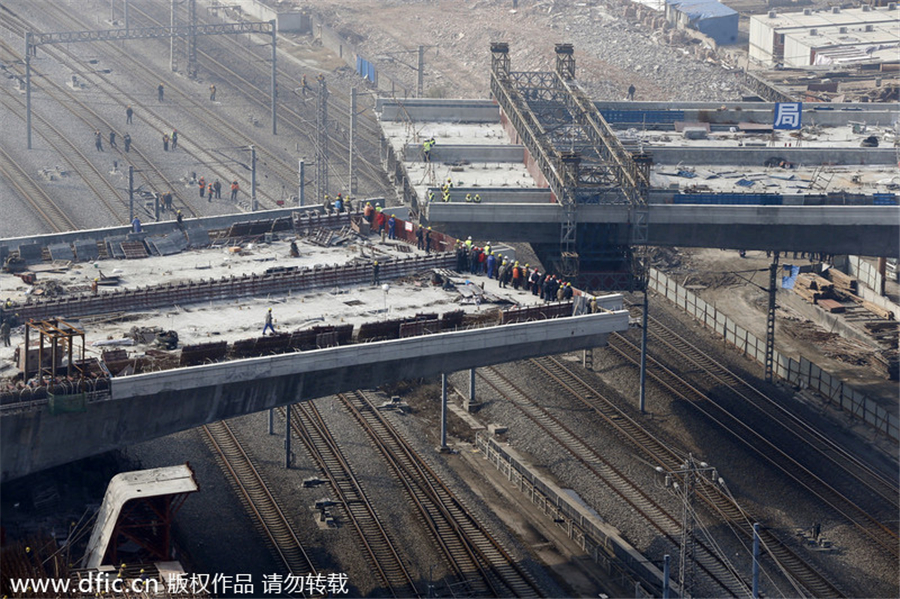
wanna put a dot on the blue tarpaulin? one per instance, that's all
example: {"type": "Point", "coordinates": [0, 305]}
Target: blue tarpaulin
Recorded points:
{"type": "Point", "coordinates": [709, 17]}
{"type": "Point", "coordinates": [787, 281]}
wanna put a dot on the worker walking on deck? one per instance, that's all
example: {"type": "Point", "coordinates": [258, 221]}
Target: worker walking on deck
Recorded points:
{"type": "Point", "coordinates": [4, 333]}
{"type": "Point", "coordinates": [174, 139]}
{"type": "Point", "coordinates": [234, 190]}
{"type": "Point", "coordinates": [217, 188]}
{"type": "Point", "coordinates": [98, 140]}
{"type": "Point", "coordinates": [112, 139]}
{"type": "Point", "coordinates": [129, 113]}
{"type": "Point", "coordinates": [165, 142]}
{"type": "Point", "coordinates": [212, 92]}
{"type": "Point", "coordinates": [160, 91]}
{"type": "Point", "coordinates": [127, 140]}
{"type": "Point", "coordinates": [268, 326]}
{"type": "Point", "coordinates": [201, 183]}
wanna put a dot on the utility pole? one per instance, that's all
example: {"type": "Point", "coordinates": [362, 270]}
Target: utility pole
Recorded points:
{"type": "Point", "coordinates": [28, 86]}
{"type": "Point", "coordinates": [688, 474]}
{"type": "Point", "coordinates": [302, 186]}
{"type": "Point", "coordinates": [172, 65]}
{"type": "Point", "coordinates": [770, 320]}
{"type": "Point", "coordinates": [130, 193]}
{"type": "Point", "coordinates": [274, 78]}
{"type": "Point", "coordinates": [253, 206]}
{"type": "Point", "coordinates": [420, 79]}
{"type": "Point", "coordinates": [192, 40]}
{"type": "Point", "coordinates": [352, 187]}
{"type": "Point", "coordinates": [321, 139]}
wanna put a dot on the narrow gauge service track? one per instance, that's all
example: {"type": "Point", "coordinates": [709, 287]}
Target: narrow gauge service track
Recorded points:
{"type": "Point", "coordinates": [659, 453]}
{"type": "Point", "coordinates": [472, 552]}
{"type": "Point", "coordinates": [716, 571]}
{"type": "Point", "coordinates": [886, 538]}
{"type": "Point", "coordinates": [308, 424]}
{"type": "Point", "coordinates": [257, 499]}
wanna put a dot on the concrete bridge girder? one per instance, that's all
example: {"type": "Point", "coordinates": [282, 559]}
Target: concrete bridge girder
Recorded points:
{"type": "Point", "coordinates": [860, 230]}
{"type": "Point", "coordinates": [147, 406]}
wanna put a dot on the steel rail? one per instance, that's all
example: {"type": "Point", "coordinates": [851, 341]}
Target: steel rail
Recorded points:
{"type": "Point", "coordinates": [650, 510]}
{"type": "Point", "coordinates": [763, 447]}
{"type": "Point", "coordinates": [33, 193]}
{"type": "Point", "coordinates": [309, 426]}
{"type": "Point", "coordinates": [463, 538]}
{"type": "Point", "coordinates": [257, 499]}
{"type": "Point", "coordinates": [667, 458]}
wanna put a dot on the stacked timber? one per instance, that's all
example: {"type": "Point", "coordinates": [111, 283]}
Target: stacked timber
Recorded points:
{"type": "Point", "coordinates": [886, 363]}
{"type": "Point", "coordinates": [813, 288]}
{"type": "Point", "coordinates": [844, 283]}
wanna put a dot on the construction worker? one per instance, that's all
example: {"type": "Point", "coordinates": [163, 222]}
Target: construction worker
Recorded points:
{"type": "Point", "coordinates": [469, 244]}
{"type": "Point", "coordinates": [392, 227]}
{"type": "Point", "coordinates": [430, 195]}
{"type": "Point", "coordinates": [94, 285]}
{"type": "Point", "coordinates": [469, 198]}
{"type": "Point", "coordinates": [217, 188]}
{"type": "Point", "coordinates": [209, 192]}
{"type": "Point", "coordinates": [268, 326]}
{"type": "Point", "coordinates": [449, 183]}
{"type": "Point", "coordinates": [179, 219]}
{"type": "Point", "coordinates": [631, 91]}
{"type": "Point", "coordinates": [165, 142]}
{"type": "Point", "coordinates": [129, 114]}
{"type": "Point", "coordinates": [445, 195]}
{"type": "Point", "coordinates": [428, 240]}
{"type": "Point", "coordinates": [127, 140]}
{"type": "Point", "coordinates": [295, 251]}
{"type": "Point", "coordinates": [477, 198]}
{"type": "Point", "coordinates": [339, 203]}
{"type": "Point", "coordinates": [212, 92]}
{"type": "Point", "coordinates": [234, 190]}
{"type": "Point", "coordinates": [167, 201]}
{"type": "Point", "coordinates": [160, 91]}
{"type": "Point", "coordinates": [369, 212]}
{"type": "Point", "coordinates": [420, 238]}
{"type": "Point", "coordinates": [174, 138]}
{"type": "Point", "coordinates": [136, 225]}
{"type": "Point", "coordinates": [375, 268]}
{"type": "Point", "coordinates": [98, 140]}
{"type": "Point", "coordinates": [326, 204]}
{"type": "Point", "coordinates": [4, 333]}
{"type": "Point", "coordinates": [304, 86]}
{"type": "Point", "coordinates": [426, 149]}
{"type": "Point", "coordinates": [201, 184]}
{"type": "Point", "coordinates": [112, 139]}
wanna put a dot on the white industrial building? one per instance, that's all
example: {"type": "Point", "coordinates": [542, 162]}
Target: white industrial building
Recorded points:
{"type": "Point", "coordinates": [786, 38]}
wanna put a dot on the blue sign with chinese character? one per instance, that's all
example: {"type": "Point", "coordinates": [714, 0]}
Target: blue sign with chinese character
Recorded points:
{"type": "Point", "coordinates": [787, 115]}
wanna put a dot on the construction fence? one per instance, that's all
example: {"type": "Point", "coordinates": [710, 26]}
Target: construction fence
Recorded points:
{"type": "Point", "coordinates": [802, 373]}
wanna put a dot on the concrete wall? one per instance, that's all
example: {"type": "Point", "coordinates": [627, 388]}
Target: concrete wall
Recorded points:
{"type": "Point", "coordinates": [147, 406]}
{"type": "Point", "coordinates": [472, 153]}
{"type": "Point", "coordinates": [293, 21]}
{"type": "Point", "coordinates": [756, 157]}
{"type": "Point", "coordinates": [449, 111]}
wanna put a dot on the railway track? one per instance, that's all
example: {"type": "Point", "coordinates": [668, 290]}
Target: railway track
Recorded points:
{"type": "Point", "coordinates": [257, 499]}
{"type": "Point", "coordinates": [34, 194]}
{"type": "Point", "coordinates": [716, 571]}
{"type": "Point", "coordinates": [383, 556]}
{"type": "Point", "coordinates": [299, 123]}
{"type": "Point", "coordinates": [710, 407]}
{"type": "Point", "coordinates": [68, 151]}
{"type": "Point", "coordinates": [804, 574]}
{"type": "Point", "coordinates": [785, 422]}
{"type": "Point", "coordinates": [471, 551]}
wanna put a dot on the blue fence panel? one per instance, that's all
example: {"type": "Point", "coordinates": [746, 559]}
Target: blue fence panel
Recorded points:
{"type": "Point", "coordinates": [366, 70]}
{"type": "Point", "coordinates": [738, 199]}
{"type": "Point", "coordinates": [884, 199]}
{"type": "Point", "coordinates": [642, 116]}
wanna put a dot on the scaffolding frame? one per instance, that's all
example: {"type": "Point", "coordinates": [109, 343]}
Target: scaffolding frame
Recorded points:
{"type": "Point", "coordinates": [55, 330]}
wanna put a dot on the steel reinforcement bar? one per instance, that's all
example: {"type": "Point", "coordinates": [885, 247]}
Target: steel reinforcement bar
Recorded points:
{"type": "Point", "coordinates": [189, 292]}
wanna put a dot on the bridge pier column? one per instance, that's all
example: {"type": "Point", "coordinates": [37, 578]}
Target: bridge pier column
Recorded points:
{"type": "Point", "coordinates": [443, 446]}
{"type": "Point", "coordinates": [471, 403]}
{"type": "Point", "coordinates": [271, 421]}
{"type": "Point", "coordinates": [287, 436]}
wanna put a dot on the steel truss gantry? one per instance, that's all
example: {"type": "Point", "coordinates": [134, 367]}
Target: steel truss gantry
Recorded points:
{"type": "Point", "coordinates": [573, 145]}
{"type": "Point", "coordinates": [33, 40]}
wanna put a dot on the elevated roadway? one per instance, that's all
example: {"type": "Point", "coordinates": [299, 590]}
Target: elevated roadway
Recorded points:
{"type": "Point", "coordinates": [147, 406]}
{"type": "Point", "coordinates": [858, 230]}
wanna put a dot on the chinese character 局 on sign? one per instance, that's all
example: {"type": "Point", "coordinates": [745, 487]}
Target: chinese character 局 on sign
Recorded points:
{"type": "Point", "coordinates": [787, 115]}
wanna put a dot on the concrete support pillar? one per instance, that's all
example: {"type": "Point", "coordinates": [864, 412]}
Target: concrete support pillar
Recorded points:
{"type": "Point", "coordinates": [472, 400]}
{"type": "Point", "coordinates": [271, 421]}
{"type": "Point", "coordinates": [443, 412]}
{"type": "Point", "coordinates": [287, 436]}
